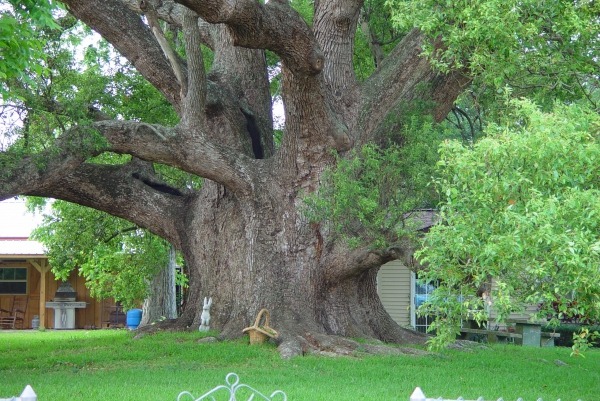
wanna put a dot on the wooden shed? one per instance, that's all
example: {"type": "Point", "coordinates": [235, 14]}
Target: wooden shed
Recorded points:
{"type": "Point", "coordinates": [25, 274]}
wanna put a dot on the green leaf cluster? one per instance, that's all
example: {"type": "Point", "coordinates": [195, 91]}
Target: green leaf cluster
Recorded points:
{"type": "Point", "coordinates": [117, 258]}
{"type": "Point", "coordinates": [21, 41]}
{"type": "Point", "coordinates": [521, 209]}
{"type": "Point", "coordinates": [76, 79]}
{"type": "Point", "coordinates": [544, 47]}
{"type": "Point", "coordinates": [367, 198]}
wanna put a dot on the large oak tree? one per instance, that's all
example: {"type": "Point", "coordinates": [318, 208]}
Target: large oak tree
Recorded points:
{"type": "Point", "coordinates": [243, 234]}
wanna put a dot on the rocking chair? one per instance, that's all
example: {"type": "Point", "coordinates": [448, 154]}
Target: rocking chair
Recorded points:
{"type": "Point", "coordinates": [10, 319]}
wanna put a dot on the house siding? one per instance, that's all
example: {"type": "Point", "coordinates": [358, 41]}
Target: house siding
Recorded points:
{"type": "Point", "coordinates": [393, 286]}
{"type": "Point", "coordinates": [529, 311]}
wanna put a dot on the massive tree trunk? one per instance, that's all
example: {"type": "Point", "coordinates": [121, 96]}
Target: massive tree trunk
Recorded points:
{"type": "Point", "coordinates": [243, 235]}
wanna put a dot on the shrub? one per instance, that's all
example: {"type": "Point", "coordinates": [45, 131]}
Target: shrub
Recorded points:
{"type": "Point", "coordinates": [566, 332]}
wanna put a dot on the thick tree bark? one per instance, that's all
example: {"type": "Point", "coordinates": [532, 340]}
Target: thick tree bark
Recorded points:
{"type": "Point", "coordinates": [162, 303]}
{"type": "Point", "coordinates": [243, 235]}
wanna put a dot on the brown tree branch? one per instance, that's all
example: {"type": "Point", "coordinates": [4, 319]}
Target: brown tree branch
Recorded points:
{"type": "Point", "coordinates": [195, 96]}
{"type": "Point", "coordinates": [129, 191]}
{"type": "Point", "coordinates": [172, 13]}
{"type": "Point", "coordinates": [374, 44]}
{"type": "Point", "coordinates": [359, 260]}
{"type": "Point", "coordinates": [172, 57]}
{"type": "Point", "coordinates": [406, 76]}
{"type": "Point", "coordinates": [334, 25]}
{"type": "Point", "coordinates": [122, 191]}
{"type": "Point", "coordinates": [186, 149]}
{"type": "Point", "coordinates": [275, 26]}
{"type": "Point", "coordinates": [132, 38]}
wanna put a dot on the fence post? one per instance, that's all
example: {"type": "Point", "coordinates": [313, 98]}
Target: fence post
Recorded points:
{"type": "Point", "coordinates": [28, 394]}
{"type": "Point", "coordinates": [417, 395]}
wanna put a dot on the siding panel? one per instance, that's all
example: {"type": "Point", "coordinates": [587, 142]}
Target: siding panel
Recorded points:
{"type": "Point", "coordinates": [393, 286]}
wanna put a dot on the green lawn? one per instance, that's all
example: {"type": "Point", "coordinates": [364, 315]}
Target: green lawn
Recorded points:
{"type": "Point", "coordinates": [111, 365]}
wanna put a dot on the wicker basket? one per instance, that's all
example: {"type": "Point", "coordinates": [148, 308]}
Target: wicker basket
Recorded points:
{"type": "Point", "coordinates": [259, 333]}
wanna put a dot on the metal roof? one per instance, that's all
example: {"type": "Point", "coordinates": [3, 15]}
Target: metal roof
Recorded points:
{"type": "Point", "coordinates": [19, 248]}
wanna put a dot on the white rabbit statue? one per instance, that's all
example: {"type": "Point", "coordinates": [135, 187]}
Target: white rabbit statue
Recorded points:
{"type": "Point", "coordinates": [205, 316]}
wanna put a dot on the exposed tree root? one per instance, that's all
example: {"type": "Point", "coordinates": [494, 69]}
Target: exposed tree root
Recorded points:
{"type": "Point", "coordinates": [330, 345]}
{"type": "Point", "coordinates": [164, 325]}
{"type": "Point", "coordinates": [313, 343]}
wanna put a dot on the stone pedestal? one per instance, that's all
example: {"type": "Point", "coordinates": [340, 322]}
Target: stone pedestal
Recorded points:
{"type": "Point", "coordinates": [64, 313]}
{"type": "Point", "coordinates": [531, 332]}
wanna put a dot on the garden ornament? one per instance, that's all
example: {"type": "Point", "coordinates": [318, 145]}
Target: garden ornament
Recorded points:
{"type": "Point", "coordinates": [205, 316]}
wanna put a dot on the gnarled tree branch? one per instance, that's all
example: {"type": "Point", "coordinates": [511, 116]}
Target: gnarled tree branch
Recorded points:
{"type": "Point", "coordinates": [406, 75]}
{"type": "Point", "coordinates": [174, 60]}
{"type": "Point", "coordinates": [275, 26]}
{"type": "Point", "coordinates": [334, 25]}
{"type": "Point", "coordinates": [188, 150]}
{"type": "Point", "coordinates": [195, 96]}
{"type": "Point", "coordinates": [122, 191]}
{"type": "Point", "coordinates": [172, 14]}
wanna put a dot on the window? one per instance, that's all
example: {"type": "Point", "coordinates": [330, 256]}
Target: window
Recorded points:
{"type": "Point", "coordinates": [13, 280]}
{"type": "Point", "coordinates": [421, 293]}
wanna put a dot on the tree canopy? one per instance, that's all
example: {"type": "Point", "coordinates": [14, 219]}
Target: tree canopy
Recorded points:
{"type": "Point", "coordinates": [519, 220]}
{"type": "Point", "coordinates": [21, 39]}
{"type": "Point", "coordinates": [539, 49]}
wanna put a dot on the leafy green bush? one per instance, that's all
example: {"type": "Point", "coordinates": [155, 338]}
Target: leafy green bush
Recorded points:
{"type": "Point", "coordinates": [567, 331]}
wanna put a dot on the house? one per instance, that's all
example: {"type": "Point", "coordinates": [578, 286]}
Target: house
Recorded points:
{"type": "Point", "coordinates": [398, 287]}
{"type": "Point", "coordinates": [25, 274]}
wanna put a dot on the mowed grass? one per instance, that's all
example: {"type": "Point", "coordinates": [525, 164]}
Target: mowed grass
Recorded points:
{"type": "Point", "coordinates": [112, 365]}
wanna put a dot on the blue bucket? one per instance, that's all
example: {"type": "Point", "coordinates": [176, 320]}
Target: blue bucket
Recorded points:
{"type": "Point", "coordinates": [134, 317]}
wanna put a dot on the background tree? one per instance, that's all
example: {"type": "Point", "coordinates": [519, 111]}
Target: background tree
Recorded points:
{"type": "Point", "coordinates": [522, 208]}
{"type": "Point", "coordinates": [243, 234]}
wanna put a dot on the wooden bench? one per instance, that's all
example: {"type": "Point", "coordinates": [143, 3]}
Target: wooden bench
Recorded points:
{"type": "Point", "coordinates": [493, 336]}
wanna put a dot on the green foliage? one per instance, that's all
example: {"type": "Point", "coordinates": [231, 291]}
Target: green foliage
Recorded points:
{"type": "Point", "coordinates": [522, 208]}
{"type": "Point", "coordinates": [568, 331]}
{"type": "Point", "coordinates": [542, 47]}
{"type": "Point", "coordinates": [368, 197]}
{"type": "Point", "coordinates": [364, 64]}
{"type": "Point", "coordinates": [116, 258]}
{"type": "Point", "coordinates": [582, 341]}
{"type": "Point", "coordinates": [52, 101]}
{"type": "Point", "coordinates": [305, 8]}
{"type": "Point", "coordinates": [21, 44]}
{"type": "Point", "coordinates": [57, 106]}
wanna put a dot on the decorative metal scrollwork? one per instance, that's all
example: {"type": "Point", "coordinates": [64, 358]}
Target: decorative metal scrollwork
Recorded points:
{"type": "Point", "coordinates": [232, 387]}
